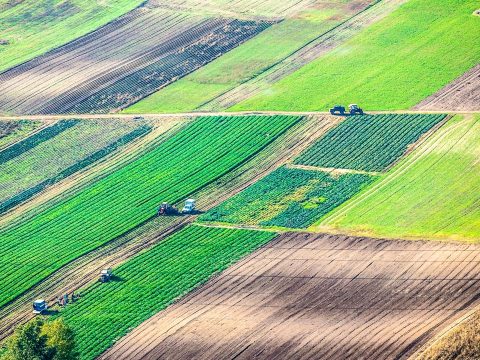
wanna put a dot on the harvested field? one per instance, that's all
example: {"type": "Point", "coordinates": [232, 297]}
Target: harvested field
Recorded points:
{"type": "Point", "coordinates": [316, 296]}
{"type": "Point", "coordinates": [121, 62]}
{"type": "Point", "coordinates": [463, 94]}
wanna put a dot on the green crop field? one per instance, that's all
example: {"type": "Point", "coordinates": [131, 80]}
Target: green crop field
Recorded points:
{"type": "Point", "coordinates": [152, 280]}
{"type": "Point", "coordinates": [12, 131]}
{"type": "Point", "coordinates": [43, 163]}
{"type": "Point", "coordinates": [203, 151]}
{"type": "Point", "coordinates": [289, 197]}
{"type": "Point", "coordinates": [433, 193]}
{"type": "Point", "coordinates": [391, 65]}
{"type": "Point", "coordinates": [32, 27]}
{"type": "Point", "coordinates": [369, 143]}
{"type": "Point", "coordinates": [244, 62]}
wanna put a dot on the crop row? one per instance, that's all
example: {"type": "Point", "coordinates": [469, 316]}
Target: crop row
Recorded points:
{"type": "Point", "coordinates": [204, 150]}
{"type": "Point", "coordinates": [370, 143]}
{"type": "Point", "coordinates": [36, 139]}
{"type": "Point", "coordinates": [169, 68]}
{"type": "Point", "coordinates": [151, 281]}
{"type": "Point", "coordinates": [60, 157]}
{"type": "Point", "coordinates": [289, 197]}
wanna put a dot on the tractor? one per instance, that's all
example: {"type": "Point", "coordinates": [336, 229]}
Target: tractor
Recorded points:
{"type": "Point", "coordinates": [39, 306]}
{"type": "Point", "coordinates": [105, 275]}
{"type": "Point", "coordinates": [189, 207]}
{"type": "Point", "coordinates": [355, 109]}
{"type": "Point", "coordinates": [338, 109]}
{"type": "Point", "coordinates": [166, 209]}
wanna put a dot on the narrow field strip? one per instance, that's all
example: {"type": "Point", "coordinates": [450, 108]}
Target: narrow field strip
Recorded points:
{"type": "Point", "coordinates": [288, 198]}
{"type": "Point", "coordinates": [316, 296]}
{"type": "Point", "coordinates": [432, 193]}
{"type": "Point", "coordinates": [202, 152]}
{"type": "Point", "coordinates": [152, 280]}
{"type": "Point", "coordinates": [62, 155]}
{"type": "Point", "coordinates": [36, 139]}
{"type": "Point", "coordinates": [85, 269]}
{"type": "Point", "coordinates": [368, 143]}
{"type": "Point", "coordinates": [121, 62]}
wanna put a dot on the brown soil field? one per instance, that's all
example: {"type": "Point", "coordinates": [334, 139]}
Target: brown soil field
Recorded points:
{"type": "Point", "coordinates": [313, 296]}
{"type": "Point", "coordinates": [463, 94]}
{"type": "Point", "coordinates": [360, 16]}
{"type": "Point", "coordinates": [86, 268]}
{"type": "Point", "coordinates": [121, 62]}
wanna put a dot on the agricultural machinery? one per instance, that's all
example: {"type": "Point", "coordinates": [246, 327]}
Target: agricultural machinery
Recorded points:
{"type": "Point", "coordinates": [166, 209]}
{"type": "Point", "coordinates": [189, 207]}
{"type": "Point", "coordinates": [353, 109]}
{"type": "Point", "coordinates": [39, 306]}
{"type": "Point", "coordinates": [338, 109]}
{"type": "Point", "coordinates": [105, 275]}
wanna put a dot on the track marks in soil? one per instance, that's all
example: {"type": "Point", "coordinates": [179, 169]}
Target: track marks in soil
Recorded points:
{"type": "Point", "coordinates": [121, 62]}
{"type": "Point", "coordinates": [316, 296]}
{"type": "Point", "coordinates": [461, 94]}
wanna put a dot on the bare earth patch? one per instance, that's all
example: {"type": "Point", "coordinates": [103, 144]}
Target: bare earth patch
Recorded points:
{"type": "Point", "coordinates": [463, 94]}
{"type": "Point", "coordinates": [317, 296]}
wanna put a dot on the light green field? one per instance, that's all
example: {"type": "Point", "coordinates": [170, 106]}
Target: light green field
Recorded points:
{"type": "Point", "coordinates": [35, 26]}
{"type": "Point", "coordinates": [242, 63]}
{"type": "Point", "coordinates": [392, 65]}
{"type": "Point", "coordinates": [433, 193]}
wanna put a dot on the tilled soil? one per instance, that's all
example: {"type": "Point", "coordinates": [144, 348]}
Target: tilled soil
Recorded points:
{"type": "Point", "coordinates": [120, 63]}
{"type": "Point", "coordinates": [317, 296]}
{"type": "Point", "coordinates": [463, 94]}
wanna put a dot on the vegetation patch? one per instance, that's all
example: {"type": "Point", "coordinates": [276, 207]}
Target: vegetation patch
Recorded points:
{"type": "Point", "coordinates": [10, 131]}
{"type": "Point", "coordinates": [182, 164]}
{"type": "Point", "coordinates": [33, 27]}
{"type": "Point", "coordinates": [289, 197]}
{"type": "Point", "coordinates": [36, 139]}
{"type": "Point", "coordinates": [432, 193]}
{"type": "Point", "coordinates": [60, 157]}
{"type": "Point", "coordinates": [151, 281]}
{"type": "Point", "coordinates": [463, 342]}
{"type": "Point", "coordinates": [369, 143]}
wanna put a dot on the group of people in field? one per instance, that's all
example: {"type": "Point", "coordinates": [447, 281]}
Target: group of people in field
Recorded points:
{"type": "Point", "coordinates": [63, 300]}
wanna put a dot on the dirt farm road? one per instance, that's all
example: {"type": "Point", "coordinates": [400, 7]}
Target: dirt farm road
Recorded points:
{"type": "Point", "coordinates": [6, 117]}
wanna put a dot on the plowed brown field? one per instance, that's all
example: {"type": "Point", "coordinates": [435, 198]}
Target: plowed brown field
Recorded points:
{"type": "Point", "coordinates": [317, 296]}
{"type": "Point", "coordinates": [121, 62]}
{"type": "Point", "coordinates": [463, 94]}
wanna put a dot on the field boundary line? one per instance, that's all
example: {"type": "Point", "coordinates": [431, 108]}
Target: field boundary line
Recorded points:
{"type": "Point", "coordinates": [332, 171]}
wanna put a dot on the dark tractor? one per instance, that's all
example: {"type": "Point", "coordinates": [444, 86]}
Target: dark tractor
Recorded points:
{"type": "Point", "coordinates": [337, 110]}
{"type": "Point", "coordinates": [166, 209]}
{"type": "Point", "coordinates": [355, 110]}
